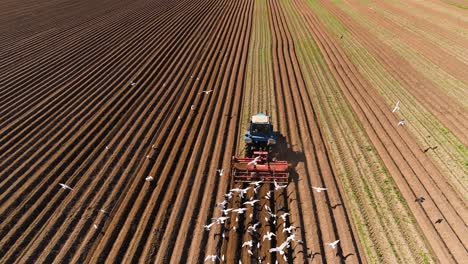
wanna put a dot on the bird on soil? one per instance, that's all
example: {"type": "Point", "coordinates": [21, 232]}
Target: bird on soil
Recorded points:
{"type": "Point", "coordinates": [420, 199]}
{"type": "Point", "coordinates": [107, 147]}
{"type": "Point", "coordinates": [198, 78]}
{"type": "Point", "coordinates": [179, 118]}
{"type": "Point", "coordinates": [319, 189]}
{"type": "Point", "coordinates": [401, 123]}
{"type": "Point", "coordinates": [104, 211]}
{"type": "Point", "coordinates": [250, 252]}
{"type": "Point", "coordinates": [208, 227]}
{"type": "Point", "coordinates": [133, 83]}
{"type": "Point", "coordinates": [211, 258]}
{"type": "Point", "coordinates": [268, 235]}
{"type": "Point", "coordinates": [220, 172]}
{"type": "Point", "coordinates": [95, 226]}
{"type": "Point", "coordinates": [333, 244]}
{"type": "Point", "coordinates": [65, 187]}
{"type": "Point", "coordinates": [397, 107]}
{"type": "Point", "coordinates": [149, 178]}
{"type": "Point", "coordinates": [279, 187]}
{"type": "Point", "coordinates": [438, 221]}
{"type": "Point", "coordinates": [148, 156]}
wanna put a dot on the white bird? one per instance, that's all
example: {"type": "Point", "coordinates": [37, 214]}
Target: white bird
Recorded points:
{"type": "Point", "coordinates": [107, 147]}
{"type": "Point", "coordinates": [292, 237]}
{"type": "Point", "coordinates": [251, 203]}
{"type": "Point", "coordinates": [254, 161]}
{"type": "Point", "coordinates": [267, 208]}
{"type": "Point", "coordinates": [65, 187]}
{"type": "Point", "coordinates": [95, 226]}
{"type": "Point", "coordinates": [280, 248]}
{"type": "Point", "coordinates": [198, 78]}
{"type": "Point", "coordinates": [279, 187]}
{"type": "Point", "coordinates": [149, 178]}
{"type": "Point", "coordinates": [397, 107]}
{"type": "Point", "coordinates": [179, 118]}
{"type": "Point", "coordinates": [192, 107]}
{"type": "Point", "coordinates": [248, 243]}
{"type": "Point", "coordinates": [225, 212]}
{"type": "Point", "coordinates": [319, 189]}
{"type": "Point", "coordinates": [220, 172]}
{"type": "Point", "coordinates": [285, 258]}
{"type": "Point", "coordinates": [283, 216]}
{"type": "Point", "coordinates": [206, 91]}
{"type": "Point", "coordinates": [268, 195]}
{"type": "Point", "coordinates": [333, 244]}
{"type": "Point", "coordinates": [289, 229]}
{"type": "Point", "coordinates": [268, 235]}
{"type": "Point", "coordinates": [257, 183]}
{"type": "Point", "coordinates": [256, 189]}
{"type": "Point", "coordinates": [402, 122]}
{"type": "Point", "coordinates": [250, 252]}
{"type": "Point", "coordinates": [208, 227]}
{"type": "Point", "coordinates": [252, 228]}
{"type": "Point", "coordinates": [240, 210]}
{"type": "Point", "coordinates": [220, 220]}
{"type": "Point", "coordinates": [104, 211]}
{"type": "Point", "coordinates": [148, 156]}
{"type": "Point", "coordinates": [236, 190]}
{"type": "Point", "coordinates": [212, 258]}
{"type": "Point", "coordinates": [258, 244]}
{"type": "Point", "coordinates": [222, 204]}
{"type": "Point", "coordinates": [243, 191]}
{"type": "Point", "coordinates": [132, 83]}
{"type": "Point", "coordinates": [228, 195]}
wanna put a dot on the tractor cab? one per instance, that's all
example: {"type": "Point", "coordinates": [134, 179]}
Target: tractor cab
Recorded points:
{"type": "Point", "coordinates": [260, 135]}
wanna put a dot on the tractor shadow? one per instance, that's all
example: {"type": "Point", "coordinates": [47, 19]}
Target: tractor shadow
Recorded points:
{"type": "Point", "coordinates": [283, 151]}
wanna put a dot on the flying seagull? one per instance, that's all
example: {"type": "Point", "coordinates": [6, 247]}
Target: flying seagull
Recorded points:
{"type": "Point", "coordinates": [319, 189]}
{"type": "Point", "coordinates": [207, 227]}
{"type": "Point", "coordinates": [268, 235]}
{"type": "Point", "coordinates": [212, 258]}
{"type": "Point", "coordinates": [65, 187]}
{"type": "Point", "coordinates": [333, 244]}
{"type": "Point", "coordinates": [279, 187]}
{"type": "Point", "coordinates": [206, 92]}
{"type": "Point", "coordinates": [402, 122]}
{"type": "Point", "coordinates": [397, 107]}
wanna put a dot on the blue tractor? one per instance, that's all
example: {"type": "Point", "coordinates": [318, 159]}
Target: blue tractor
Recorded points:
{"type": "Point", "coordinates": [260, 136]}
{"type": "Point", "coordinates": [260, 160]}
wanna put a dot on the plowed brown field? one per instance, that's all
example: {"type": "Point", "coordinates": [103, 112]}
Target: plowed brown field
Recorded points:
{"type": "Point", "coordinates": [100, 95]}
